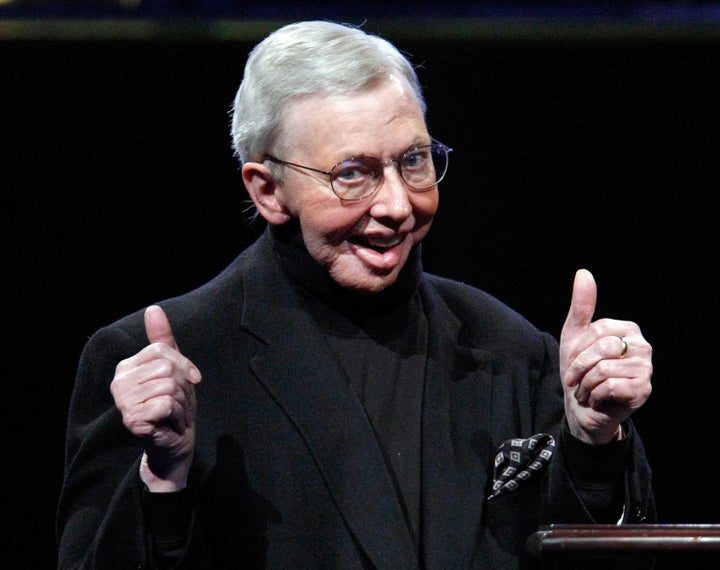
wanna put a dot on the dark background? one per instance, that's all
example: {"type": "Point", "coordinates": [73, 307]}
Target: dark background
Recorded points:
{"type": "Point", "coordinates": [588, 143]}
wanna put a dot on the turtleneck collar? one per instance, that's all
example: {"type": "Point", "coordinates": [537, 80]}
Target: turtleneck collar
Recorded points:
{"type": "Point", "coordinates": [314, 278]}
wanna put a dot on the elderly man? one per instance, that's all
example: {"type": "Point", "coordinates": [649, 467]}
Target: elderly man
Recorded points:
{"type": "Point", "coordinates": [324, 402]}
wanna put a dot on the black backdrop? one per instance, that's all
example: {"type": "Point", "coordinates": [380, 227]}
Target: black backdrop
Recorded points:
{"type": "Point", "coordinates": [597, 152]}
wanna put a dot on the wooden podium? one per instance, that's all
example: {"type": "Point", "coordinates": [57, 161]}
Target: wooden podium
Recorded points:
{"type": "Point", "coordinates": [627, 547]}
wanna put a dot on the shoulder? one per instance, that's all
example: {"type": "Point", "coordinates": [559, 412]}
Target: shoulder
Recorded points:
{"type": "Point", "coordinates": [465, 299]}
{"type": "Point", "coordinates": [479, 314]}
{"type": "Point", "coordinates": [207, 309]}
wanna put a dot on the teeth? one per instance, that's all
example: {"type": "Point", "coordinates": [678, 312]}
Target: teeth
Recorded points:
{"type": "Point", "coordinates": [388, 241]}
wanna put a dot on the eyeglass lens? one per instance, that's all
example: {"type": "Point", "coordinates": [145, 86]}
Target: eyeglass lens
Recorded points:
{"type": "Point", "coordinates": [421, 168]}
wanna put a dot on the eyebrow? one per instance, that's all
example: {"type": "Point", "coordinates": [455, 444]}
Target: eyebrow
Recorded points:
{"type": "Point", "coordinates": [400, 154]}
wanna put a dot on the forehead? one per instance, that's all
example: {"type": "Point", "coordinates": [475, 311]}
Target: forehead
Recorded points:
{"type": "Point", "coordinates": [386, 116]}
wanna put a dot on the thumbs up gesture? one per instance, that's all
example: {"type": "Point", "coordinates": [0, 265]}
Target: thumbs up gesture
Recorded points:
{"type": "Point", "coordinates": [155, 392]}
{"type": "Point", "coordinates": [605, 367]}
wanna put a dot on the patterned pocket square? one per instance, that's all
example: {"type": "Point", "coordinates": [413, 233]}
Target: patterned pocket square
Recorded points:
{"type": "Point", "coordinates": [518, 460]}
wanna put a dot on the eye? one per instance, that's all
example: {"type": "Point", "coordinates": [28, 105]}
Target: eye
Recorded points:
{"type": "Point", "coordinates": [353, 170]}
{"type": "Point", "coordinates": [416, 159]}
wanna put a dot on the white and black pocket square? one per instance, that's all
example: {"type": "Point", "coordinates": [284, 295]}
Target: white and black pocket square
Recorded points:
{"type": "Point", "coordinates": [519, 460]}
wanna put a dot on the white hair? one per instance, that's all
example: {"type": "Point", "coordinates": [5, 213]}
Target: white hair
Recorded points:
{"type": "Point", "coordinates": [302, 59]}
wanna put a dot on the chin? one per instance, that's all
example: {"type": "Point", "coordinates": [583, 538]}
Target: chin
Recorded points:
{"type": "Point", "coordinates": [368, 284]}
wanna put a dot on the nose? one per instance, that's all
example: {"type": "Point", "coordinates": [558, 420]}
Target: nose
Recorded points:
{"type": "Point", "coordinates": [391, 199]}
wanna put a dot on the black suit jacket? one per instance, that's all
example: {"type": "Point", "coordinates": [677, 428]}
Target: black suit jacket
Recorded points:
{"type": "Point", "coordinates": [288, 473]}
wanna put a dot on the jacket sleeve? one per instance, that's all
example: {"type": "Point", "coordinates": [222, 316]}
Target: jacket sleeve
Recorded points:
{"type": "Point", "coordinates": [610, 484]}
{"type": "Point", "coordinates": [100, 522]}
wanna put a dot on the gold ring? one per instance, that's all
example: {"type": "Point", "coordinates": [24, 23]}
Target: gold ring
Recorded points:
{"type": "Point", "coordinates": [623, 347]}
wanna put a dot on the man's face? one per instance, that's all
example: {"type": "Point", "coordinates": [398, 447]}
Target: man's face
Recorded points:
{"type": "Point", "coordinates": [362, 244]}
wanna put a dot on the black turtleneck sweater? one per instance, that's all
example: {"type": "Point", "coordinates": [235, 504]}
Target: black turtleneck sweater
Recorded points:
{"type": "Point", "coordinates": [380, 342]}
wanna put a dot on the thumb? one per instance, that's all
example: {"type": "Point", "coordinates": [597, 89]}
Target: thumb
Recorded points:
{"type": "Point", "coordinates": [582, 304]}
{"type": "Point", "coordinates": [157, 326]}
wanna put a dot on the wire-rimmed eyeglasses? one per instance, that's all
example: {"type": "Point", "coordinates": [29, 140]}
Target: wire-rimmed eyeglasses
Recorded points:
{"type": "Point", "coordinates": [356, 178]}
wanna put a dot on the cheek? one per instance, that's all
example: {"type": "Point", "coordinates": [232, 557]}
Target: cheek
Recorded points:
{"type": "Point", "coordinates": [329, 224]}
{"type": "Point", "coordinates": [425, 206]}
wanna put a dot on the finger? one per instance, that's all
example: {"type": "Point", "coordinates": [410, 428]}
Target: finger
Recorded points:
{"type": "Point", "coordinates": [620, 392]}
{"type": "Point", "coordinates": [157, 326]}
{"type": "Point", "coordinates": [593, 364]}
{"type": "Point", "coordinates": [158, 330]}
{"type": "Point", "coordinates": [149, 419]}
{"type": "Point", "coordinates": [617, 391]}
{"type": "Point", "coordinates": [612, 373]}
{"type": "Point", "coordinates": [599, 372]}
{"type": "Point", "coordinates": [582, 303]}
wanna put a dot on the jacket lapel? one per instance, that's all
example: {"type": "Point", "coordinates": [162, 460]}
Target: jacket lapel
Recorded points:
{"type": "Point", "coordinates": [456, 426]}
{"type": "Point", "coordinates": [316, 396]}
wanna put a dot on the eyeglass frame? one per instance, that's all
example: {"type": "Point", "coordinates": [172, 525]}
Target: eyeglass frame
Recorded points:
{"type": "Point", "coordinates": [381, 163]}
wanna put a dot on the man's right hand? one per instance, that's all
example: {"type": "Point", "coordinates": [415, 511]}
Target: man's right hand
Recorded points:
{"type": "Point", "coordinates": [155, 392]}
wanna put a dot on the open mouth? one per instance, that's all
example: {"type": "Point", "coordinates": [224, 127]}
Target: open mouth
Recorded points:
{"type": "Point", "coordinates": [378, 243]}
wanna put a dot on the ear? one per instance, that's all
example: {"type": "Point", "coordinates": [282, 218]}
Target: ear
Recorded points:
{"type": "Point", "coordinates": [263, 190]}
